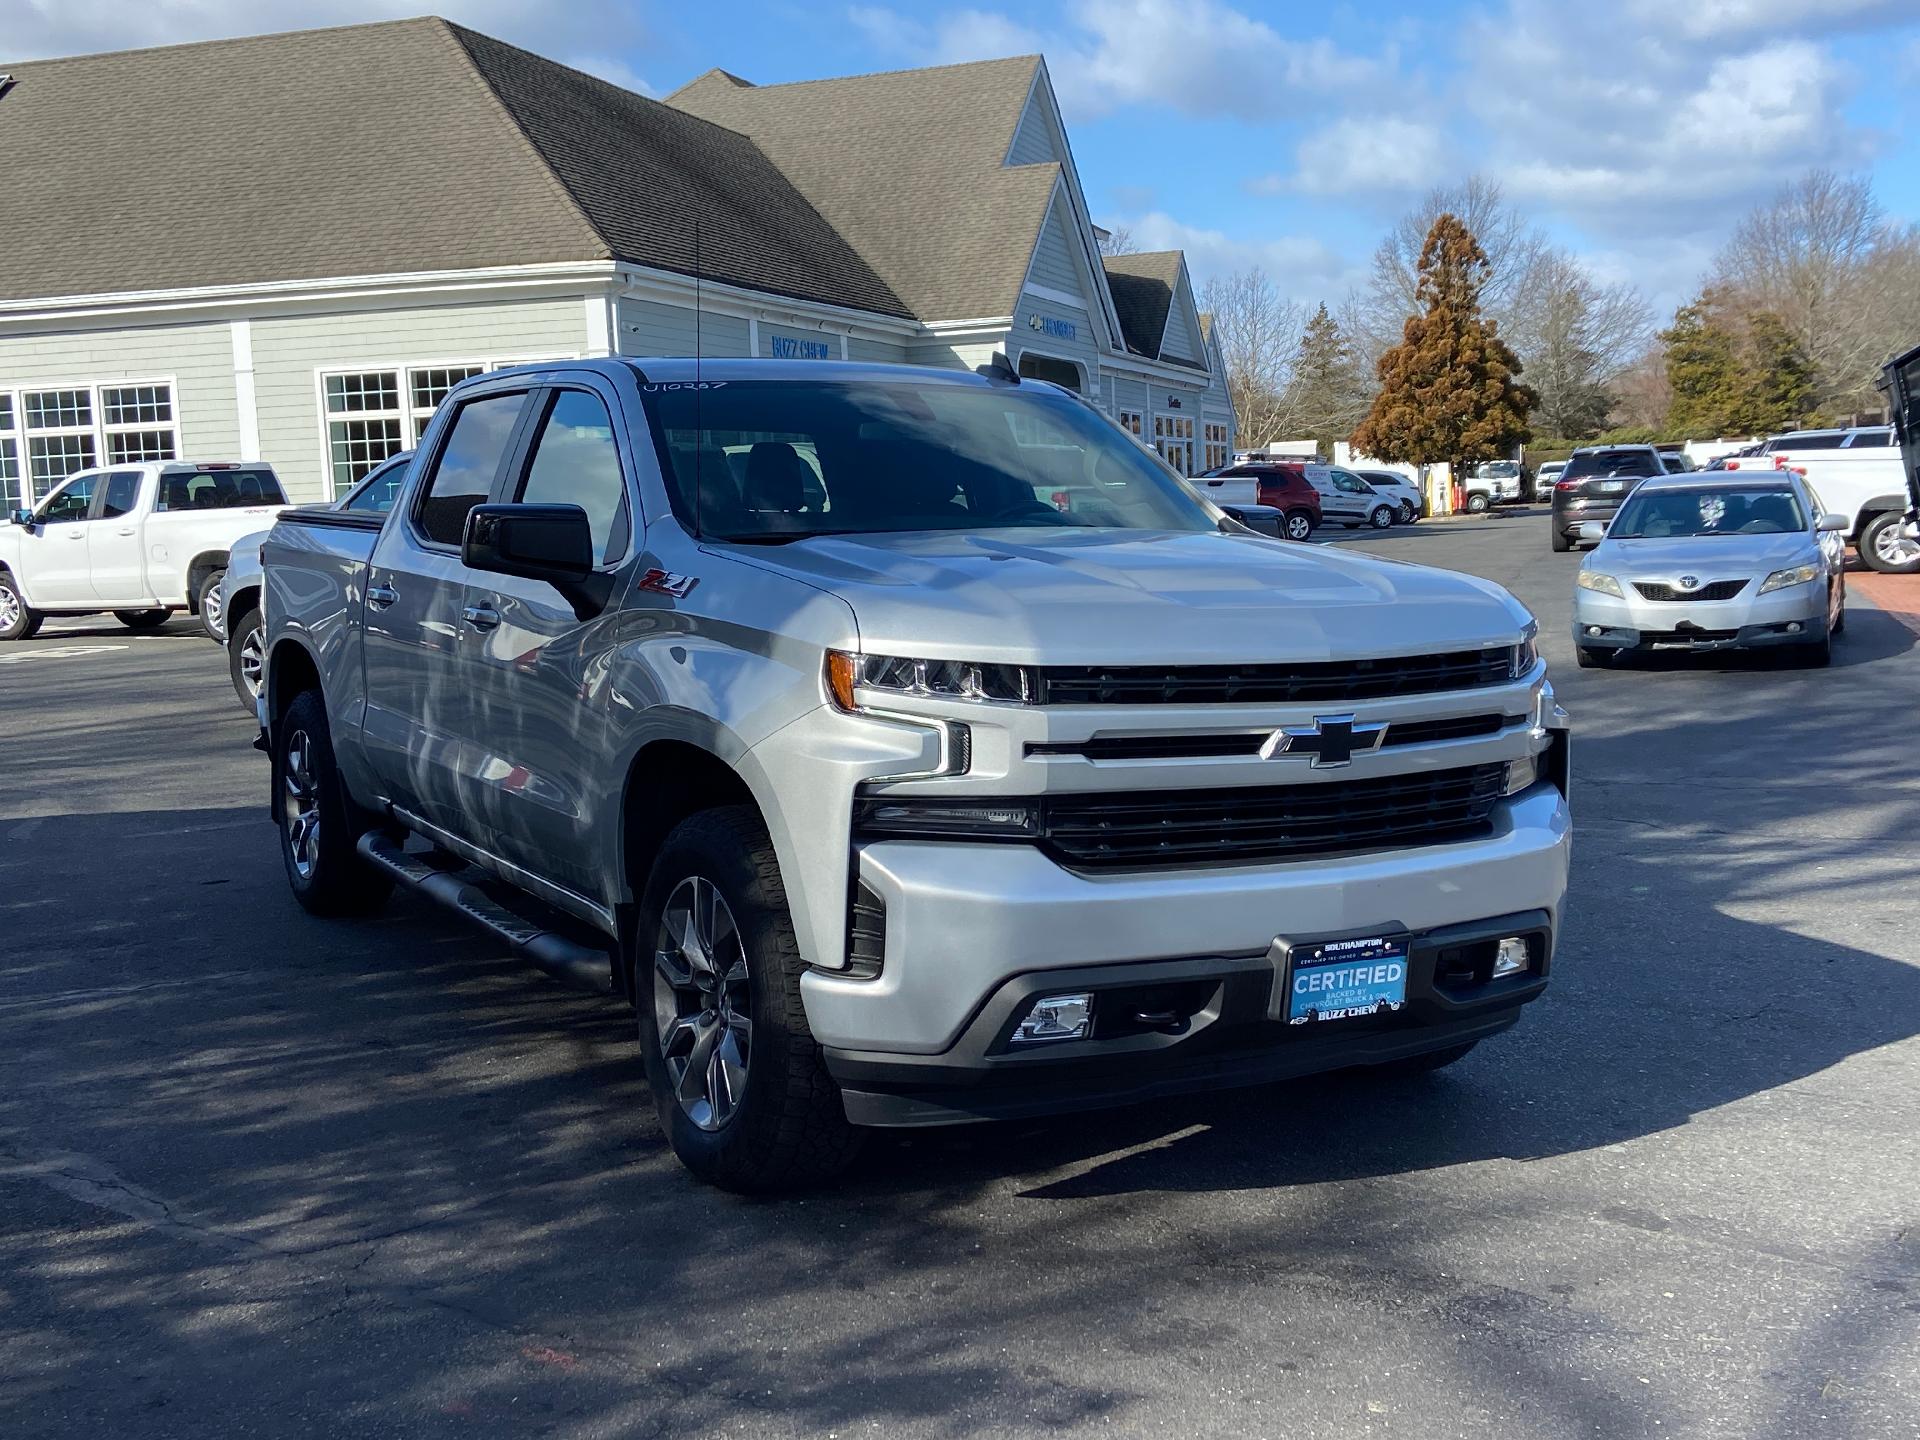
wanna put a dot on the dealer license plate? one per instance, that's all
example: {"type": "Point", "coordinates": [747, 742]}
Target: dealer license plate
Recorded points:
{"type": "Point", "coordinates": [1612, 487]}
{"type": "Point", "coordinates": [1342, 979]}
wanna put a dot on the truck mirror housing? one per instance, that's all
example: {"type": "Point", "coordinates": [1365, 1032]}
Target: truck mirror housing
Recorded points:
{"type": "Point", "coordinates": [536, 542]}
{"type": "Point", "coordinates": [22, 517]}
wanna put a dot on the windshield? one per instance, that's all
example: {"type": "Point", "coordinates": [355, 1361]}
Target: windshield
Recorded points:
{"type": "Point", "coordinates": [1723, 510]}
{"type": "Point", "coordinates": [1613, 462]}
{"type": "Point", "coordinates": [774, 460]}
{"type": "Point", "coordinates": [1498, 470]}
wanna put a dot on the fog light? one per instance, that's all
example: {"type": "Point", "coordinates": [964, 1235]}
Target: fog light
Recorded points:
{"type": "Point", "coordinates": [1512, 958]}
{"type": "Point", "coordinates": [1793, 627]}
{"type": "Point", "coordinates": [1057, 1017]}
{"type": "Point", "coordinates": [1593, 629]}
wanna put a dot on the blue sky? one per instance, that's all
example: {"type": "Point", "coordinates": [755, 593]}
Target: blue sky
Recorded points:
{"type": "Point", "coordinates": [1635, 131]}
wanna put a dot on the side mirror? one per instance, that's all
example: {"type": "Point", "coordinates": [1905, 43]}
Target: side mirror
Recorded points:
{"type": "Point", "coordinates": [1831, 522]}
{"type": "Point", "coordinates": [1592, 532]}
{"type": "Point", "coordinates": [23, 517]}
{"type": "Point", "coordinates": [553, 543]}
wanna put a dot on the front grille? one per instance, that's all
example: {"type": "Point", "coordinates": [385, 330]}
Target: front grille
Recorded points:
{"type": "Point", "coordinates": [1248, 742]}
{"type": "Point", "coordinates": [1295, 822]}
{"type": "Point", "coordinates": [1717, 590]}
{"type": "Point", "coordinates": [1273, 684]}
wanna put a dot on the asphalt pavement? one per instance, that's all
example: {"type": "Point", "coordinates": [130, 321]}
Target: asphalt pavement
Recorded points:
{"type": "Point", "coordinates": [266, 1175]}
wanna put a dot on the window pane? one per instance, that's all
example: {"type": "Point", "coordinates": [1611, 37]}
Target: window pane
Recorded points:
{"type": "Point", "coordinates": [123, 489]}
{"type": "Point", "coordinates": [6, 412]}
{"type": "Point", "coordinates": [430, 386]}
{"type": "Point", "coordinates": [381, 489]}
{"type": "Point", "coordinates": [54, 457]}
{"type": "Point", "coordinates": [575, 462]}
{"type": "Point", "coordinates": [10, 474]}
{"type": "Point", "coordinates": [57, 409]}
{"type": "Point", "coordinates": [470, 458]}
{"type": "Point", "coordinates": [73, 502]}
{"type": "Point", "coordinates": [129, 447]}
{"type": "Point", "coordinates": [374, 390]}
{"type": "Point", "coordinates": [218, 490]}
{"type": "Point", "coordinates": [356, 446]}
{"type": "Point", "coordinates": [137, 405]}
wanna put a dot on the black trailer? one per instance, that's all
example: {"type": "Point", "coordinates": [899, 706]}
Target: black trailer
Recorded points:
{"type": "Point", "coordinates": [1900, 383]}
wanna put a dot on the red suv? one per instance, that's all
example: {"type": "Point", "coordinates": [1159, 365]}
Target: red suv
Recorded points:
{"type": "Point", "coordinates": [1278, 485]}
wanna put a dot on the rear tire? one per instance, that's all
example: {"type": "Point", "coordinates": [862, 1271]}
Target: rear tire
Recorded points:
{"type": "Point", "coordinates": [1883, 548]}
{"type": "Point", "coordinates": [1561, 544]}
{"type": "Point", "coordinates": [319, 823]}
{"type": "Point", "coordinates": [18, 620]}
{"type": "Point", "coordinates": [207, 602]}
{"type": "Point", "coordinates": [1299, 525]}
{"type": "Point", "coordinates": [749, 1109]}
{"type": "Point", "coordinates": [141, 619]}
{"type": "Point", "coordinates": [245, 656]}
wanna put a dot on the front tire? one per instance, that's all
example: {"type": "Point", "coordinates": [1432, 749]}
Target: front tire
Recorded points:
{"type": "Point", "coordinates": [1477, 503]}
{"type": "Point", "coordinates": [18, 620]}
{"type": "Point", "coordinates": [141, 619]}
{"type": "Point", "coordinates": [246, 656]}
{"type": "Point", "coordinates": [1592, 657]}
{"type": "Point", "coordinates": [1299, 525]}
{"type": "Point", "coordinates": [319, 823]}
{"type": "Point", "coordinates": [1884, 549]}
{"type": "Point", "coordinates": [208, 602]}
{"type": "Point", "coordinates": [740, 1084]}
{"type": "Point", "coordinates": [1381, 517]}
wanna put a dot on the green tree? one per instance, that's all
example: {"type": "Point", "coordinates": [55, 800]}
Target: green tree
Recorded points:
{"type": "Point", "coordinates": [1328, 394]}
{"type": "Point", "coordinates": [1450, 389]}
{"type": "Point", "coordinates": [1734, 373]}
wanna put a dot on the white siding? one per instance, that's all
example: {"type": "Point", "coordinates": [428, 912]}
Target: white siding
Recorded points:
{"type": "Point", "coordinates": [198, 358]}
{"type": "Point", "coordinates": [650, 328]}
{"type": "Point", "coordinates": [1183, 326]}
{"type": "Point", "coordinates": [1053, 263]}
{"type": "Point", "coordinates": [1129, 395]}
{"type": "Point", "coordinates": [884, 352]}
{"type": "Point", "coordinates": [289, 352]}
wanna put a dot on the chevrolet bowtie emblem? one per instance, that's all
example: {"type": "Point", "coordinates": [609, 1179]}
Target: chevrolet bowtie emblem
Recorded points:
{"type": "Point", "coordinates": [1332, 740]}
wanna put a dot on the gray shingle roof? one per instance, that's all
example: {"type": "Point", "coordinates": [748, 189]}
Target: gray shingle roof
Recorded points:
{"type": "Point", "coordinates": [1142, 286]}
{"type": "Point", "coordinates": [910, 167]}
{"type": "Point", "coordinates": [368, 149]}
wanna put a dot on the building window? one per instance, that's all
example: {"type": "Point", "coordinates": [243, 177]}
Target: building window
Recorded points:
{"type": "Point", "coordinates": [1132, 423]}
{"type": "Point", "coordinates": [1216, 438]}
{"type": "Point", "coordinates": [430, 386]}
{"type": "Point", "coordinates": [1173, 438]}
{"type": "Point", "coordinates": [376, 413]}
{"type": "Point", "coordinates": [48, 433]}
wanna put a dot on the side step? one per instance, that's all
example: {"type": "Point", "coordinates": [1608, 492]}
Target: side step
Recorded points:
{"type": "Point", "coordinates": [580, 966]}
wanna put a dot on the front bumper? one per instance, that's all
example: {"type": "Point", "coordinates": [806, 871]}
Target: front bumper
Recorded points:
{"type": "Point", "coordinates": [1796, 615]}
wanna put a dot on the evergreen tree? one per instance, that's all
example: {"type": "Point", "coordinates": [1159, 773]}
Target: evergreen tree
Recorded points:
{"type": "Point", "coordinates": [1448, 390]}
{"type": "Point", "coordinates": [1732, 373]}
{"type": "Point", "coordinates": [1328, 394]}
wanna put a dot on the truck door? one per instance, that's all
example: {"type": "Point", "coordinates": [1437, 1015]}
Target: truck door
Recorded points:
{"type": "Point", "coordinates": [114, 543]}
{"type": "Point", "coordinates": [538, 703]}
{"type": "Point", "coordinates": [418, 723]}
{"type": "Point", "coordinates": [53, 551]}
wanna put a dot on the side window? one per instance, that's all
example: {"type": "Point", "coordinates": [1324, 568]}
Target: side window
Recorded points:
{"type": "Point", "coordinates": [575, 462]}
{"type": "Point", "coordinates": [377, 493]}
{"type": "Point", "coordinates": [71, 501]}
{"type": "Point", "coordinates": [123, 493]}
{"type": "Point", "coordinates": [476, 443]}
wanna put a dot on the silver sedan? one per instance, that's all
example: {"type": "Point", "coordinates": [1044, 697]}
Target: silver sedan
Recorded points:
{"type": "Point", "coordinates": [1692, 563]}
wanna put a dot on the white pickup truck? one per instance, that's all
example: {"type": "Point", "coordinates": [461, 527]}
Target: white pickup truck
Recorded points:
{"type": "Point", "coordinates": [1856, 473]}
{"type": "Point", "coordinates": [140, 540]}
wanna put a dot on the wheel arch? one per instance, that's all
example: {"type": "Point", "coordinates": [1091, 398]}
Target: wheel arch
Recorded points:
{"type": "Point", "coordinates": [206, 563]}
{"type": "Point", "coordinates": [1869, 509]}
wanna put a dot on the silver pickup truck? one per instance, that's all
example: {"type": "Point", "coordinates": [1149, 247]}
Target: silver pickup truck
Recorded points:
{"type": "Point", "coordinates": [909, 747]}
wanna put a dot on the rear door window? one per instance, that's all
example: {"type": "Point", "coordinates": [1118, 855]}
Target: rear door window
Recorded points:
{"type": "Point", "coordinates": [123, 493]}
{"type": "Point", "coordinates": [469, 462]}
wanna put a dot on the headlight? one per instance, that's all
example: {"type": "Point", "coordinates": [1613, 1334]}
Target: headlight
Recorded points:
{"type": "Point", "coordinates": [1798, 575]}
{"type": "Point", "coordinates": [1526, 654]}
{"type": "Point", "coordinates": [952, 819]}
{"type": "Point", "coordinates": [946, 679]}
{"type": "Point", "coordinates": [1597, 582]}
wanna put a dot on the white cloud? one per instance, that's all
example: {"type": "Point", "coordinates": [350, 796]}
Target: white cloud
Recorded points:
{"type": "Point", "coordinates": [1363, 154]}
{"type": "Point", "coordinates": [1200, 57]}
{"type": "Point", "coordinates": [1302, 266]}
{"type": "Point", "coordinates": [1729, 20]}
{"type": "Point", "coordinates": [588, 34]}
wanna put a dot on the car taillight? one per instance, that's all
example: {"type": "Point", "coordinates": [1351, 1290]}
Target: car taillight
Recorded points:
{"type": "Point", "coordinates": [1566, 484]}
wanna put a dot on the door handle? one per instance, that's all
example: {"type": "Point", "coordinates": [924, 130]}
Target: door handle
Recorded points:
{"type": "Point", "coordinates": [481, 617]}
{"type": "Point", "coordinates": [381, 596]}
{"type": "Point", "coordinates": [127, 531]}
{"type": "Point", "coordinates": [76, 534]}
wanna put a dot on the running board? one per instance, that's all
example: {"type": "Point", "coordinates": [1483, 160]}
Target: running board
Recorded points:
{"type": "Point", "coordinates": [580, 966]}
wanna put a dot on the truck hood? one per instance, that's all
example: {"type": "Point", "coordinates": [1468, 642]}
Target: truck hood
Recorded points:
{"type": "Point", "coordinates": [1142, 597]}
{"type": "Point", "coordinates": [1711, 557]}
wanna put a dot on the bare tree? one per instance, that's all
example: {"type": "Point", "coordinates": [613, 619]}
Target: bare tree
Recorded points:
{"type": "Point", "coordinates": [1642, 393]}
{"type": "Point", "coordinates": [1576, 335]}
{"type": "Point", "coordinates": [1259, 334]}
{"type": "Point", "coordinates": [1845, 282]}
{"type": "Point", "coordinates": [1117, 241]}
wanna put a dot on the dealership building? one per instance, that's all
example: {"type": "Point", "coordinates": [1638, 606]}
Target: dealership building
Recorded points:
{"type": "Point", "coordinates": [289, 247]}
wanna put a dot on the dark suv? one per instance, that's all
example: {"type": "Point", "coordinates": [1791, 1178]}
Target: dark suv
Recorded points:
{"type": "Point", "coordinates": [1275, 484]}
{"type": "Point", "coordinates": [1594, 483]}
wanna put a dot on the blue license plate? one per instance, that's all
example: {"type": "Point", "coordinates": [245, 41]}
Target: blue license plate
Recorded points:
{"type": "Point", "coordinates": [1343, 979]}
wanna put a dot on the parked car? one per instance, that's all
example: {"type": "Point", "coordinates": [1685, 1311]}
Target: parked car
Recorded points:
{"type": "Point", "coordinates": [1549, 472]}
{"type": "Point", "coordinates": [889, 793]}
{"type": "Point", "coordinates": [141, 541]}
{"type": "Point", "coordinates": [1859, 474]}
{"type": "Point", "coordinates": [1495, 482]}
{"type": "Point", "coordinates": [1406, 497]}
{"type": "Point", "coordinates": [1272, 485]}
{"type": "Point", "coordinates": [1698, 563]}
{"type": "Point", "coordinates": [238, 626]}
{"type": "Point", "coordinates": [1677, 462]}
{"type": "Point", "coordinates": [1597, 479]}
{"type": "Point", "coordinates": [1346, 499]}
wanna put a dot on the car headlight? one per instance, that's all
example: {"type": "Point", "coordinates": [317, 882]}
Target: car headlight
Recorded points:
{"type": "Point", "coordinates": [1526, 654]}
{"type": "Point", "coordinates": [1598, 582]}
{"type": "Point", "coordinates": [1796, 575]}
{"type": "Point", "coordinates": [944, 679]}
